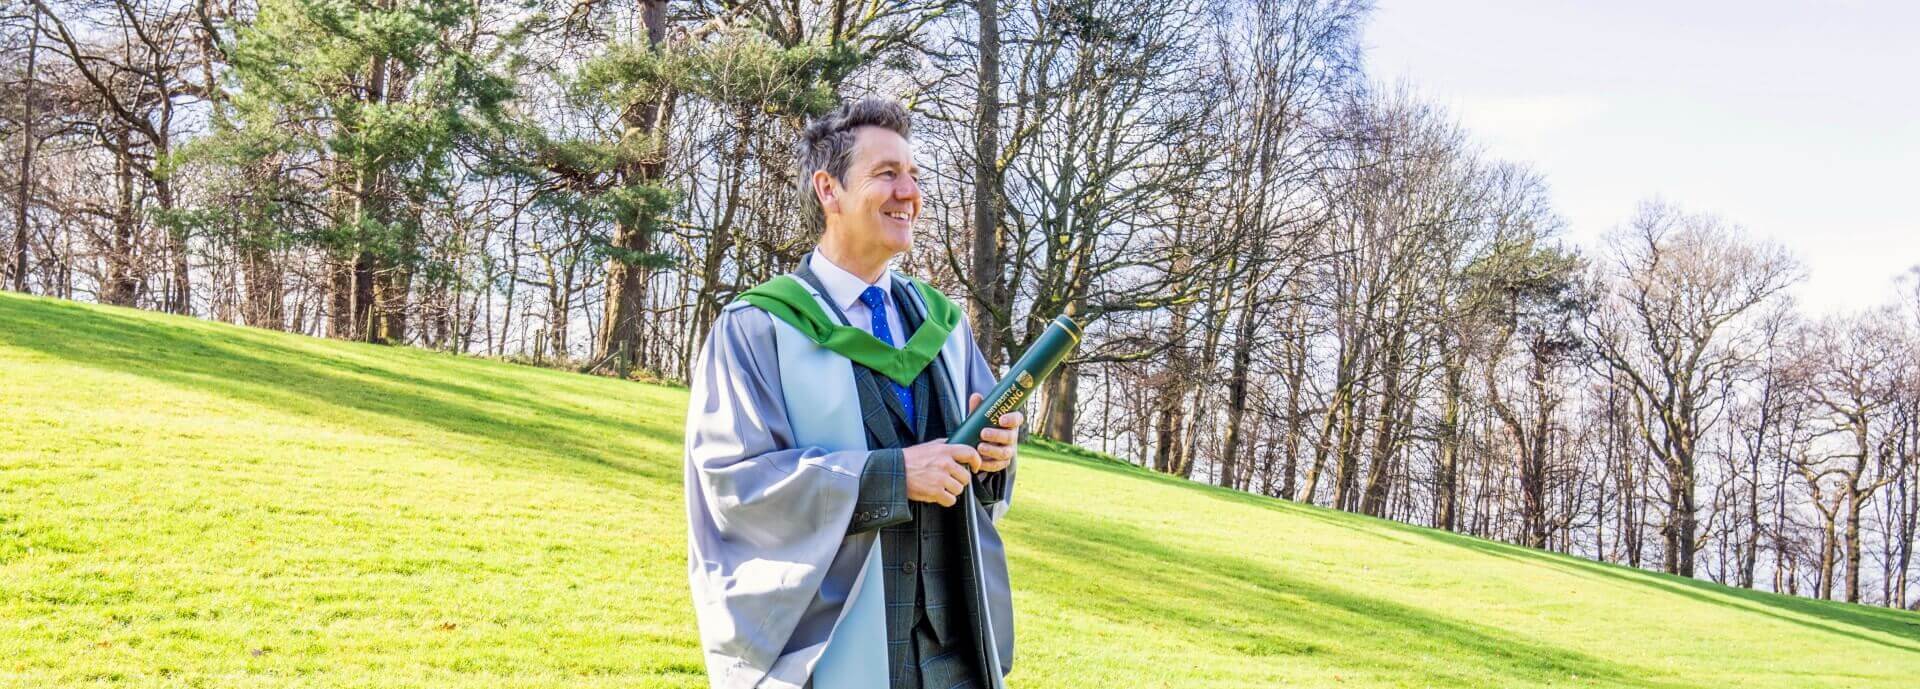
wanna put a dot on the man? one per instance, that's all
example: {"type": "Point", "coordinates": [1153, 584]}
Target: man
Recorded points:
{"type": "Point", "coordinates": [835, 539]}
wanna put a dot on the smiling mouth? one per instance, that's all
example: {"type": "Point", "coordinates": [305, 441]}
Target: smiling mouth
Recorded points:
{"type": "Point", "coordinates": [901, 216]}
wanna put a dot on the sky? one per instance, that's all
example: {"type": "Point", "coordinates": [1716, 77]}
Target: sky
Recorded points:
{"type": "Point", "coordinates": [1796, 120]}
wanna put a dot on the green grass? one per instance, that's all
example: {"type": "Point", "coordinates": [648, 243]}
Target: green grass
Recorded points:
{"type": "Point", "coordinates": [192, 504]}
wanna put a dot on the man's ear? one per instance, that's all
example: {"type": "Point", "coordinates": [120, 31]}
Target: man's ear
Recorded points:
{"type": "Point", "coordinates": [827, 190]}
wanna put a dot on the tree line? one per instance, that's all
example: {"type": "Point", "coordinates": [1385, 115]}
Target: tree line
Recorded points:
{"type": "Point", "coordinates": [1296, 281]}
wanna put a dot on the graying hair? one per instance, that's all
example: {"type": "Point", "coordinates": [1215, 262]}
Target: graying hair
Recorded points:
{"type": "Point", "coordinates": [827, 144]}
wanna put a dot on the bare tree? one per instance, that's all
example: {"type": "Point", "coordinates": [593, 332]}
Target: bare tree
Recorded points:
{"type": "Point", "coordinates": [1669, 324]}
{"type": "Point", "coordinates": [142, 81]}
{"type": "Point", "coordinates": [1537, 308]}
{"type": "Point", "coordinates": [23, 200]}
{"type": "Point", "coordinates": [1853, 372]}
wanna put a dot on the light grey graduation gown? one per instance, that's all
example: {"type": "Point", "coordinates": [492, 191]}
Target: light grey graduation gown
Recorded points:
{"type": "Point", "coordinates": [775, 448]}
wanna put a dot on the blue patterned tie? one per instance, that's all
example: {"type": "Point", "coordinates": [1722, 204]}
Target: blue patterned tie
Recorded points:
{"type": "Point", "coordinates": [876, 302]}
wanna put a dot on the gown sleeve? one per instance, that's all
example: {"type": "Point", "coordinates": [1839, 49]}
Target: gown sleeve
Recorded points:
{"type": "Point", "coordinates": [766, 516]}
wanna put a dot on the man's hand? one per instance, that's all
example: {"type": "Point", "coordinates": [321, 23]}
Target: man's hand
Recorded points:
{"type": "Point", "coordinates": [997, 444]}
{"type": "Point", "coordinates": [937, 472]}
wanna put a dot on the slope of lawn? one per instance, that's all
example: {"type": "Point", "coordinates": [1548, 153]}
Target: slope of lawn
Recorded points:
{"type": "Point", "coordinates": [192, 504]}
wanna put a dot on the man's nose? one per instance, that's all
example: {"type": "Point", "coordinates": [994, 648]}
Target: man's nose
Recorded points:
{"type": "Point", "coordinates": [907, 189]}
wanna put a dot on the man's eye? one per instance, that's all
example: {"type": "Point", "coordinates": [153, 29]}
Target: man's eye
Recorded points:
{"type": "Point", "coordinates": [888, 174]}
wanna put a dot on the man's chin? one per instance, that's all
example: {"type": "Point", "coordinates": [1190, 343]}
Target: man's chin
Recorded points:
{"type": "Point", "coordinates": [900, 242]}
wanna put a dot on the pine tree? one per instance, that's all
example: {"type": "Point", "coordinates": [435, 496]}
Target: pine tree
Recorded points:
{"type": "Point", "coordinates": [355, 109]}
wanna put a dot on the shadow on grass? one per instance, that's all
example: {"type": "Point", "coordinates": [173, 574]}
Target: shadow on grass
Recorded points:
{"type": "Point", "coordinates": [1128, 576]}
{"type": "Point", "coordinates": [241, 365]}
{"type": "Point", "coordinates": [1842, 619]}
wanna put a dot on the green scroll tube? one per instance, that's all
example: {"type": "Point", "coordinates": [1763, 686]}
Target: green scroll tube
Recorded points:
{"type": "Point", "coordinates": [1026, 376]}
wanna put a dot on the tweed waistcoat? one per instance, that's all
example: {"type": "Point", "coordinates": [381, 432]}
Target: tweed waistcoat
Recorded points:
{"type": "Point", "coordinates": [927, 567]}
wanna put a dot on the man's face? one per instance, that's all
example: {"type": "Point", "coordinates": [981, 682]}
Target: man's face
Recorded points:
{"type": "Point", "coordinates": [876, 208]}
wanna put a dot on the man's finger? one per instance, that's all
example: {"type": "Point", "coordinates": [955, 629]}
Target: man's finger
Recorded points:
{"type": "Point", "coordinates": [959, 472]}
{"type": "Point", "coordinates": [974, 400]}
{"type": "Point", "coordinates": [968, 456]}
{"type": "Point", "coordinates": [963, 463]}
{"type": "Point", "coordinates": [999, 436]}
{"type": "Point", "coordinates": [1012, 419]}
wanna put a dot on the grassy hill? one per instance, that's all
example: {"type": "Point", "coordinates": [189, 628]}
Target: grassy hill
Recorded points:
{"type": "Point", "coordinates": [193, 504]}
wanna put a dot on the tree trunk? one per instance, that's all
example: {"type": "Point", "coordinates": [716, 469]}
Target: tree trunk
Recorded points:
{"type": "Point", "coordinates": [1190, 450]}
{"type": "Point", "coordinates": [264, 305]}
{"type": "Point", "coordinates": [1167, 432]}
{"type": "Point", "coordinates": [1296, 377]}
{"type": "Point", "coordinates": [1828, 552]}
{"type": "Point", "coordinates": [620, 340]}
{"type": "Point", "coordinates": [1853, 499]}
{"type": "Point", "coordinates": [985, 307]}
{"type": "Point", "coordinates": [1681, 546]}
{"type": "Point", "coordinates": [1751, 554]}
{"type": "Point", "coordinates": [1682, 541]}
{"type": "Point", "coordinates": [1632, 540]}
{"type": "Point", "coordinates": [123, 284]}
{"type": "Point", "coordinates": [1374, 498]}
{"type": "Point", "coordinates": [340, 299]}
{"type": "Point", "coordinates": [391, 289]}
{"type": "Point", "coordinates": [362, 299]}
{"type": "Point", "coordinates": [1322, 446]}
{"type": "Point", "coordinates": [1346, 454]}
{"type": "Point", "coordinates": [180, 297]}
{"type": "Point", "coordinates": [1780, 529]}
{"type": "Point", "coordinates": [1909, 505]}
{"type": "Point", "coordinates": [1063, 404]}
{"type": "Point", "coordinates": [1240, 366]}
{"type": "Point", "coordinates": [370, 205]}
{"type": "Point", "coordinates": [1447, 478]}
{"type": "Point", "coordinates": [1533, 482]}
{"type": "Point", "coordinates": [26, 158]}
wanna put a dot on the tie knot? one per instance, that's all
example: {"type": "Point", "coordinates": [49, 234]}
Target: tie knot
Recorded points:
{"type": "Point", "coordinates": [873, 297]}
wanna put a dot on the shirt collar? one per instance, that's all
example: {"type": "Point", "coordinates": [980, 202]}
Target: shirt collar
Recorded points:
{"type": "Point", "coordinates": [844, 288]}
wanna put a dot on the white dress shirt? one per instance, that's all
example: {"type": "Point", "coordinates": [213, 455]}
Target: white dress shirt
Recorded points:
{"type": "Point", "coordinates": [844, 289]}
